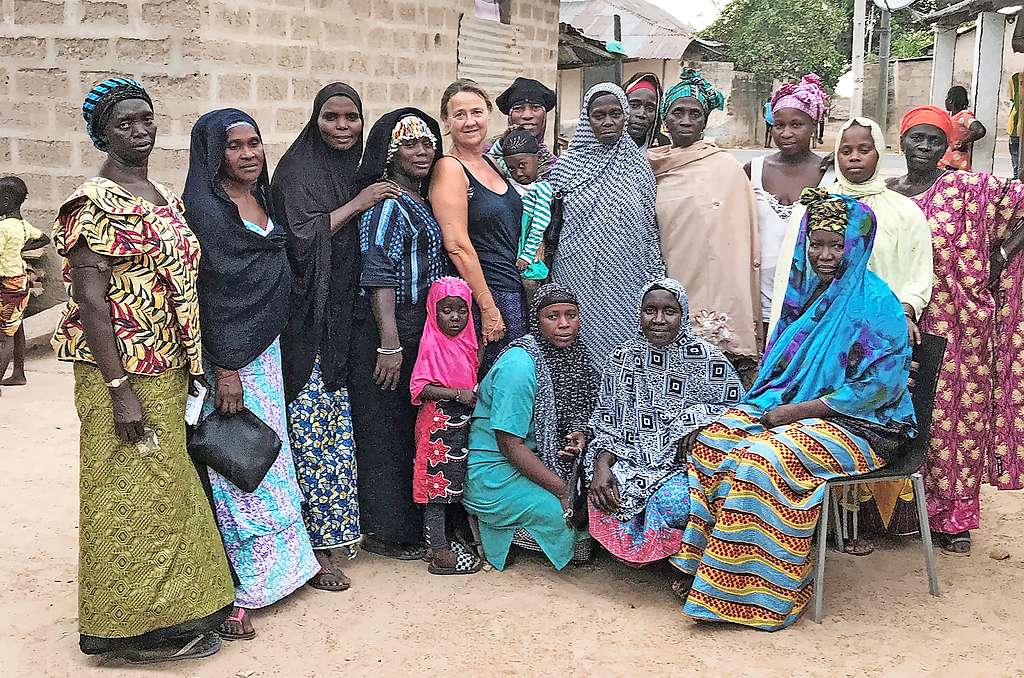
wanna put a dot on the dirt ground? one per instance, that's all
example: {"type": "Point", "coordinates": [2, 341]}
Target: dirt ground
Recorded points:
{"type": "Point", "coordinates": [600, 620]}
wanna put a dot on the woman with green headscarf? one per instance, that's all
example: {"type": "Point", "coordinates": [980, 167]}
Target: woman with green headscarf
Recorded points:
{"type": "Point", "coordinates": [707, 214]}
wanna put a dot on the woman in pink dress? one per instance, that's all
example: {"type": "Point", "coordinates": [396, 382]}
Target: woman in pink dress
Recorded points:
{"type": "Point", "coordinates": [978, 425]}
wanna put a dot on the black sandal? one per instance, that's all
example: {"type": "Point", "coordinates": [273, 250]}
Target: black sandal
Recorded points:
{"type": "Point", "coordinates": [203, 645]}
{"type": "Point", "coordinates": [403, 552]}
{"type": "Point", "coordinates": [954, 544]}
{"type": "Point", "coordinates": [320, 583]}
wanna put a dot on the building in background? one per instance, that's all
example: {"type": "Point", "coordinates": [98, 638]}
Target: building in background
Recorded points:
{"type": "Point", "coordinates": [268, 57]}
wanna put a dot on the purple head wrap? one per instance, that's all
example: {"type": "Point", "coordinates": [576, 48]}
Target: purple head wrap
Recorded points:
{"type": "Point", "coordinates": [808, 96]}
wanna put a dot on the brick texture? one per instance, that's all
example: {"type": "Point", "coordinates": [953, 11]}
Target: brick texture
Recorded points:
{"type": "Point", "coordinates": [268, 57]}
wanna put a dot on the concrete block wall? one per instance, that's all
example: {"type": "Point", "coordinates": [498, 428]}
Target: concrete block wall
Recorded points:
{"type": "Point", "coordinates": [268, 57]}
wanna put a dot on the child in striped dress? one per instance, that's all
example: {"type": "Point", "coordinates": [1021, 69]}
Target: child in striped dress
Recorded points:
{"type": "Point", "coordinates": [520, 151]}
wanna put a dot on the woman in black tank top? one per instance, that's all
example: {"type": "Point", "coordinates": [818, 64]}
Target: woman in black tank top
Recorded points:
{"type": "Point", "coordinates": [480, 216]}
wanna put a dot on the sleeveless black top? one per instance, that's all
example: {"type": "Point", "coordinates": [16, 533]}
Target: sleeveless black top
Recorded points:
{"type": "Point", "coordinates": [495, 226]}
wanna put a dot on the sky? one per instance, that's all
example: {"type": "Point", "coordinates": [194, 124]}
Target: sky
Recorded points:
{"type": "Point", "coordinates": [697, 13]}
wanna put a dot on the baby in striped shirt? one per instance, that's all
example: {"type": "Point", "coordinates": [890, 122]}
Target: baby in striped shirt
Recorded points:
{"type": "Point", "coordinates": [520, 152]}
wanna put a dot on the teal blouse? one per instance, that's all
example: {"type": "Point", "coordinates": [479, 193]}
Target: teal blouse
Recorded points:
{"type": "Point", "coordinates": [505, 402]}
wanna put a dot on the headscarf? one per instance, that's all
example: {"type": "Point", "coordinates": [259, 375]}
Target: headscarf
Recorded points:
{"type": "Point", "coordinates": [382, 143]}
{"type": "Point", "coordinates": [310, 182]}
{"type": "Point", "coordinates": [928, 115]}
{"type": "Point", "coordinates": [100, 100]}
{"type": "Point", "coordinates": [651, 398]}
{"type": "Point", "coordinates": [447, 361]}
{"type": "Point", "coordinates": [609, 210]}
{"type": "Point", "coordinates": [566, 383]}
{"type": "Point", "coordinates": [693, 84]}
{"type": "Point", "coordinates": [652, 82]}
{"type": "Point", "coordinates": [849, 347]}
{"type": "Point", "coordinates": [807, 96]}
{"type": "Point", "coordinates": [244, 278]}
{"type": "Point", "coordinates": [526, 90]}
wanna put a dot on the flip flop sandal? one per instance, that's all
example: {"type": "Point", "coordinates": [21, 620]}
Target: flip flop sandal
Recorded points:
{"type": "Point", "coordinates": [238, 617]}
{"type": "Point", "coordinates": [414, 552]}
{"type": "Point", "coordinates": [203, 645]}
{"type": "Point", "coordinates": [317, 581]}
{"type": "Point", "coordinates": [465, 562]}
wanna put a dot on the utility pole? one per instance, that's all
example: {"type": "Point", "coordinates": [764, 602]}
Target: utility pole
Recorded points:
{"type": "Point", "coordinates": [884, 44]}
{"type": "Point", "coordinates": [859, 13]}
{"type": "Point", "coordinates": [618, 38]}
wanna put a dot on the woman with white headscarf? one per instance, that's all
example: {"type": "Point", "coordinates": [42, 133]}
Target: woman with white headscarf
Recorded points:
{"type": "Point", "coordinates": [608, 248]}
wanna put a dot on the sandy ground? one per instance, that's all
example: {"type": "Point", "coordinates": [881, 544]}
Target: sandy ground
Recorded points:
{"type": "Point", "coordinates": [600, 620]}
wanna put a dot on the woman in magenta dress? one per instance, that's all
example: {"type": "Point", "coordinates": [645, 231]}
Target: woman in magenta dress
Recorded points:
{"type": "Point", "coordinates": [978, 429]}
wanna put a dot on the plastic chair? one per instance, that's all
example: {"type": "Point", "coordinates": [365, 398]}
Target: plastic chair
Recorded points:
{"type": "Point", "coordinates": [928, 355]}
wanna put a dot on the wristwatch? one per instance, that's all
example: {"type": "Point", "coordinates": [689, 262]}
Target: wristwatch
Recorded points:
{"type": "Point", "coordinates": [116, 383]}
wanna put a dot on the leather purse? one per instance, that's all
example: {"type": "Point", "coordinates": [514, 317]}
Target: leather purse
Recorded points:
{"type": "Point", "coordinates": [240, 447]}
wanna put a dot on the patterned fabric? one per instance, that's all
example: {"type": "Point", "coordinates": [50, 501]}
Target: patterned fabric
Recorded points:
{"type": "Point", "coordinates": [262, 530]}
{"type": "Point", "coordinates": [14, 233]}
{"type": "Point", "coordinates": [959, 160]}
{"type": "Point", "coordinates": [100, 101]}
{"type": "Point", "coordinates": [512, 306]}
{"type": "Point", "coordinates": [409, 128]}
{"type": "Point", "coordinates": [756, 498]}
{"type": "Point", "coordinates": [442, 448]}
{"type": "Point", "coordinates": [150, 556]}
{"type": "Point", "coordinates": [973, 433]}
{"type": "Point", "coordinates": [651, 398]}
{"type": "Point", "coordinates": [566, 383]}
{"type": "Point", "coordinates": [847, 347]}
{"type": "Point", "coordinates": [13, 302]}
{"type": "Point", "coordinates": [545, 168]}
{"type": "Point", "coordinates": [401, 245]}
{"type": "Point", "coordinates": [807, 96]}
{"type": "Point", "coordinates": [608, 218]}
{"type": "Point", "coordinates": [693, 84]}
{"type": "Point", "coordinates": [654, 534]}
{"type": "Point", "coordinates": [536, 219]}
{"type": "Point", "coordinates": [320, 432]}
{"type": "Point", "coordinates": [829, 213]}
{"type": "Point", "coordinates": [153, 298]}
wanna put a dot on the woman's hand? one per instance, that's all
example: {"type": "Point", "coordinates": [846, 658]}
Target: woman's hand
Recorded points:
{"type": "Point", "coordinates": [575, 444]}
{"type": "Point", "coordinates": [604, 491]}
{"type": "Point", "coordinates": [781, 415]}
{"type": "Point", "coordinates": [685, 444]}
{"type": "Point", "coordinates": [375, 193]}
{"type": "Point", "coordinates": [129, 422]}
{"type": "Point", "coordinates": [522, 264]}
{"type": "Point", "coordinates": [493, 324]}
{"type": "Point", "coordinates": [913, 332]}
{"type": "Point", "coordinates": [387, 371]}
{"type": "Point", "coordinates": [465, 396]}
{"type": "Point", "coordinates": [229, 398]}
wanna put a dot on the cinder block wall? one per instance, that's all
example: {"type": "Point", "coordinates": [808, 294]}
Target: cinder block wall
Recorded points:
{"type": "Point", "coordinates": [268, 57]}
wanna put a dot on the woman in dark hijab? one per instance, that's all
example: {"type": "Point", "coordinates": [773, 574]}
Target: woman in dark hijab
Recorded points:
{"type": "Point", "coordinates": [402, 254]}
{"type": "Point", "coordinates": [314, 196]}
{"type": "Point", "coordinates": [244, 284]}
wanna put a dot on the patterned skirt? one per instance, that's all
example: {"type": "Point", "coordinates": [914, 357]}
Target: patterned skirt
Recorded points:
{"type": "Point", "coordinates": [151, 564]}
{"type": "Point", "coordinates": [13, 302]}
{"type": "Point", "coordinates": [442, 439]}
{"type": "Point", "coordinates": [654, 534]}
{"type": "Point", "coordinates": [263, 530]}
{"type": "Point", "coordinates": [756, 497]}
{"type": "Point", "coordinates": [320, 432]}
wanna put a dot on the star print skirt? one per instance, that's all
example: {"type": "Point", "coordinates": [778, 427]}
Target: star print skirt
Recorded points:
{"type": "Point", "coordinates": [442, 439]}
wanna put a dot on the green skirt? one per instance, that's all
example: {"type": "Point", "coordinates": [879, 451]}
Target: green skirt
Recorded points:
{"type": "Point", "coordinates": [151, 561]}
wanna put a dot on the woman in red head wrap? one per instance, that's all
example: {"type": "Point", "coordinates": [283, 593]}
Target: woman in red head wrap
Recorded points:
{"type": "Point", "coordinates": [978, 430]}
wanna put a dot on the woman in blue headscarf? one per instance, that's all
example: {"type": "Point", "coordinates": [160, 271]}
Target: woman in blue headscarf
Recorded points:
{"type": "Point", "coordinates": [831, 400]}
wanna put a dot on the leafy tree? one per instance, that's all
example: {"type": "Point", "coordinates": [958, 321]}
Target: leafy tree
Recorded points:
{"type": "Point", "coordinates": [783, 38]}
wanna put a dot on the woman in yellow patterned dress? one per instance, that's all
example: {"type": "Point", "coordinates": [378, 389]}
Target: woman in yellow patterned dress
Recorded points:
{"type": "Point", "coordinates": [154, 581]}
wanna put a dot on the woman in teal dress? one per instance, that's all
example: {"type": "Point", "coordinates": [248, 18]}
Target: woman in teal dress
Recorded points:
{"type": "Point", "coordinates": [527, 430]}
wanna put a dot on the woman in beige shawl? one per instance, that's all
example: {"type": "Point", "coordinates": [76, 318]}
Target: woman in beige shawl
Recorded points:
{"type": "Point", "coordinates": [707, 214]}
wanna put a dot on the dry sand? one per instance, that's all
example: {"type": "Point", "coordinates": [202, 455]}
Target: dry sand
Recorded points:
{"type": "Point", "coordinates": [600, 620]}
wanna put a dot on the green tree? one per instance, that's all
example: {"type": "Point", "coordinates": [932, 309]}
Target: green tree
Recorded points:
{"type": "Point", "coordinates": [783, 38]}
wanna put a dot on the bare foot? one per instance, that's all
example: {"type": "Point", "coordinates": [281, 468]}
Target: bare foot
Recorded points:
{"type": "Point", "coordinates": [15, 379]}
{"type": "Point", "coordinates": [681, 587]}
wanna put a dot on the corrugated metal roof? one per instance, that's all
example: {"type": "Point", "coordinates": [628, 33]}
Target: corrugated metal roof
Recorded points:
{"type": "Point", "coordinates": [489, 53]}
{"type": "Point", "coordinates": [648, 32]}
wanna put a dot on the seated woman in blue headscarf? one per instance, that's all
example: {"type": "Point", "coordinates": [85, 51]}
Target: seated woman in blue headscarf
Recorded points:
{"type": "Point", "coordinates": [831, 401]}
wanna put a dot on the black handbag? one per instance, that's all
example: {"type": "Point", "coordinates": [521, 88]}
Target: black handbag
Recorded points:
{"type": "Point", "coordinates": [554, 232]}
{"type": "Point", "coordinates": [240, 447]}
{"type": "Point", "coordinates": [578, 515]}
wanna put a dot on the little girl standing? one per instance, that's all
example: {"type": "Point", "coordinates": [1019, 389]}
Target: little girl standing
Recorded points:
{"type": "Point", "coordinates": [443, 383]}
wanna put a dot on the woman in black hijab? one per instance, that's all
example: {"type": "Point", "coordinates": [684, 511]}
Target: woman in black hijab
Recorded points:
{"type": "Point", "coordinates": [315, 197]}
{"type": "Point", "coordinates": [402, 254]}
{"type": "Point", "coordinates": [244, 285]}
